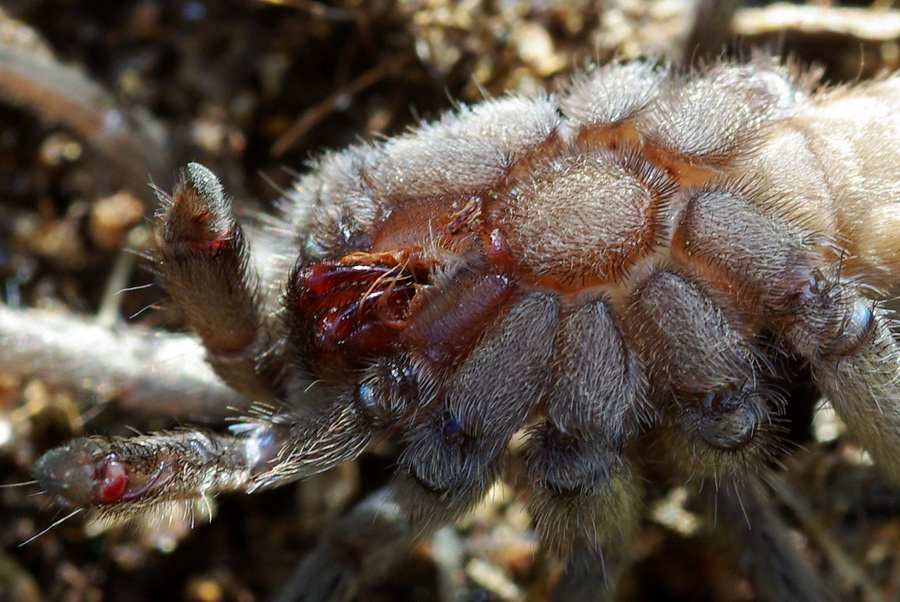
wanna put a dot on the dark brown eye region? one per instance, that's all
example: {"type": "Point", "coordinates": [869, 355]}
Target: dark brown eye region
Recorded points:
{"type": "Point", "coordinates": [611, 280]}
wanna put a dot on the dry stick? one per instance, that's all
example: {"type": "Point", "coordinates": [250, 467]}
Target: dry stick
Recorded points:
{"type": "Point", "coordinates": [838, 558]}
{"type": "Point", "coordinates": [62, 95]}
{"type": "Point", "coordinates": [320, 10]}
{"type": "Point", "coordinates": [861, 23]}
{"type": "Point", "coordinates": [317, 113]}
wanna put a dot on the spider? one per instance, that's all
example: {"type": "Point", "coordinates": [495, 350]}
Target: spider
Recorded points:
{"type": "Point", "coordinates": [717, 447]}
{"type": "Point", "coordinates": [615, 275]}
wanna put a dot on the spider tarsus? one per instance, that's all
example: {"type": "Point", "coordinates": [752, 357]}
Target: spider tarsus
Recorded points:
{"type": "Point", "coordinates": [68, 473]}
{"type": "Point", "coordinates": [198, 217]}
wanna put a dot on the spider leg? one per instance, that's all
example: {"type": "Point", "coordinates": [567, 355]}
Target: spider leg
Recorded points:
{"type": "Point", "coordinates": [575, 457]}
{"type": "Point", "coordinates": [360, 548]}
{"type": "Point", "coordinates": [749, 527]}
{"type": "Point", "coordinates": [583, 581]}
{"type": "Point", "coordinates": [454, 452]}
{"type": "Point", "coordinates": [204, 264]}
{"type": "Point", "coordinates": [860, 373]}
{"type": "Point", "coordinates": [119, 477]}
{"type": "Point", "coordinates": [452, 457]}
{"type": "Point", "coordinates": [710, 379]}
{"type": "Point", "coordinates": [854, 355]}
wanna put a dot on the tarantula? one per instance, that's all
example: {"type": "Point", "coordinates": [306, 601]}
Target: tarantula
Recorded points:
{"type": "Point", "coordinates": [617, 271]}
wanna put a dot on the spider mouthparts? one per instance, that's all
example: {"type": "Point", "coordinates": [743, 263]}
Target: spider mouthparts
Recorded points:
{"type": "Point", "coordinates": [358, 305]}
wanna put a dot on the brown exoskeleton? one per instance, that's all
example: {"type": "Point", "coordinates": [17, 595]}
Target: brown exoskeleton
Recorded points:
{"type": "Point", "coordinates": [617, 271]}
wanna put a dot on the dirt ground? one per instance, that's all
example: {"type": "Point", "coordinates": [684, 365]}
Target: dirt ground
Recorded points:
{"type": "Point", "coordinates": [254, 89]}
